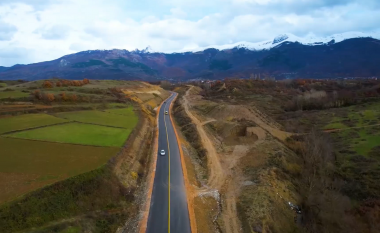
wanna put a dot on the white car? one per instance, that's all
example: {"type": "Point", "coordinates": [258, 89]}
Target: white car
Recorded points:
{"type": "Point", "coordinates": [166, 112]}
{"type": "Point", "coordinates": [162, 152]}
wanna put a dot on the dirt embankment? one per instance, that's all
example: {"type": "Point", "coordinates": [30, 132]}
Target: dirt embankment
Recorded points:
{"type": "Point", "coordinates": [133, 165]}
{"type": "Point", "coordinates": [230, 133]}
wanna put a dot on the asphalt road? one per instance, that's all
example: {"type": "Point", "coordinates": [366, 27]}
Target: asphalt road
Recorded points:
{"type": "Point", "coordinates": [168, 209]}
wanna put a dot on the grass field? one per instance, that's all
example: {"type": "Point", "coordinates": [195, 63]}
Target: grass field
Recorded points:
{"type": "Point", "coordinates": [359, 123]}
{"type": "Point", "coordinates": [71, 230]}
{"type": "Point", "coordinates": [26, 165]}
{"type": "Point", "coordinates": [21, 122]}
{"type": "Point", "coordinates": [354, 116]}
{"type": "Point", "coordinates": [102, 118]}
{"type": "Point", "coordinates": [103, 84]}
{"type": "Point", "coordinates": [361, 141]}
{"type": "Point", "coordinates": [3, 85]}
{"type": "Point", "coordinates": [97, 190]}
{"type": "Point", "coordinates": [13, 94]}
{"type": "Point", "coordinates": [122, 111]}
{"type": "Point", "coordinates": [56, 177]}
{"type": "Point", "coordinates": [359, 161]}
{"type": "Point", "coordinates": [368, 139]}
{"type": "Point", "coordinates": [77, 133]}
{"type": "Point", "coordinates": [335, 125]}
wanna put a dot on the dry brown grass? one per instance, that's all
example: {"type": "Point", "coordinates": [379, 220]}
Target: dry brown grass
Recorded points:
{"type": "Point", "coordinates": [205, 212]}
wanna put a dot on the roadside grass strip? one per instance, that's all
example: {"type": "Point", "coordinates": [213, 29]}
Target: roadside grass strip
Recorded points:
{"type": "Point", "coordinates": [101, 118]}
{"type": "Point", "coordinates": [28, 121]}
{"type": "Point", "coordinates": [77, 133]}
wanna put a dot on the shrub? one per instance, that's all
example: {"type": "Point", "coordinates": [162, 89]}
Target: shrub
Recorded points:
{"type": "Point", "coordinates": [47, 84]}
{"type": "Point", "coordinates": [37, 94]}
{"type": "Point", "coordinates": [73, 97]}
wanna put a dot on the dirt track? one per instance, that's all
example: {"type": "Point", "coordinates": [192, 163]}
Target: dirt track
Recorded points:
{"type": "Point", "coordinates": [216, 177]}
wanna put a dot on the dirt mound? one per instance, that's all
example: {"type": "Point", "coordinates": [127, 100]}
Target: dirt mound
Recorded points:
{"type": "Point", "coordinates": [259, 132]}
{"type": "Point", "coordinates": [229, 112]}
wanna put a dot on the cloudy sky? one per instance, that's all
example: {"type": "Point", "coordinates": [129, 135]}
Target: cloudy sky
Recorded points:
{"type": "Point", "coordinates": [39, 30]}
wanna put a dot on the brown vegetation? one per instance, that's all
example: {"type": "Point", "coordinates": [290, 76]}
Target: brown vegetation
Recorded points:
{"type": "Point", "coordinates": [61, 97]}
{"type": "Point", "coordinates": [65, 83]}
{"type": "Point", "coordinates": [47, 84]}
{"type": "Point", "coordinates": [325, 207]}
{"type": "Point", "coordinates": [298, 94]}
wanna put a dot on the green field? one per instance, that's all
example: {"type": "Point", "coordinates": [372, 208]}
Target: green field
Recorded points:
{"type": "Point", "coordinates": [335, 125]}
{"type": "Point", "coordinates": [122, 111]}
{"type": "Point", "coordinates": [354, 116]}
{"type": "Point", "coordinates": [367, 140]}
{"type": "Point", "coordinates": [27, 121]}
{"type": "Point", "coordinates": [77, 133]}
{"type": "Point", "coordinates": [103, 118]}
{"type": "Point", "coordinates": [3, 85]}
{"type": "Point", "coordinates": [57, 172]}
{"type": "Point", "coordinates": [104, 84]}
{"type": "Point", "coordinates": [26, 165]}
{"type": "Point", "coordinates": [13, 94]}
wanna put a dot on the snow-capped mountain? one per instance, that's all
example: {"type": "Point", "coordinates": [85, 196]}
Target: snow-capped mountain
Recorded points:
{"type": "Point", "coordinates": [340, 55]}
{"type": "Point", "coordinates": [288, 37]}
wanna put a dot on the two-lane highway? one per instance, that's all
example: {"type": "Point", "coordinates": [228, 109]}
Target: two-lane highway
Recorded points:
{"type": "Point", "coordinates": [168, 208]}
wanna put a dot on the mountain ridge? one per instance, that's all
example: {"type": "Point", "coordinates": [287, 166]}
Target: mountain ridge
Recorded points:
{"type": "Point", "coordinates": [309, 39]}
{"type": "Point", "coordinates": [350, 57]}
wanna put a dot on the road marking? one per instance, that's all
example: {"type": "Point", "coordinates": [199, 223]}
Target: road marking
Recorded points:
{"type": "Point", "coordinates": [167, 139]}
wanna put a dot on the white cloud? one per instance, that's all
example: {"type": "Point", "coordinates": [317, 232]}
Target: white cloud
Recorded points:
{"type": "Point", "coordinates": [40, 30]}
{"type": "Point", "coordinates": [6, 31]}
{"type": "Point", "coordinates": [178, 13]}
{"type": "Point", "coordinates": [56, 32]}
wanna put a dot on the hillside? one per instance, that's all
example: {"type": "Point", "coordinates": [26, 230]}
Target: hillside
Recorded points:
{"type": "Point", "coordinates": [285, 156]}
{"type": "Point", "coordinates": [356, 57]}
